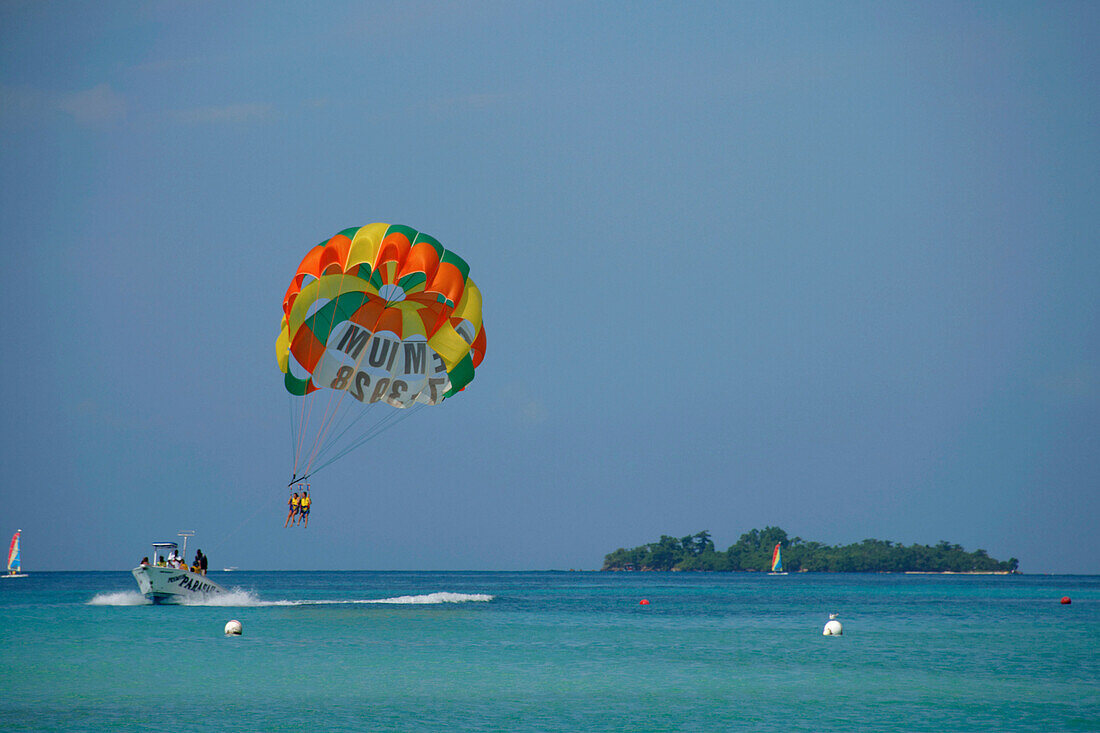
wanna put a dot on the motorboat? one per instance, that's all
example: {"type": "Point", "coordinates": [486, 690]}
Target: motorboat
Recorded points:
{"type": "Point", "coordinates": [164, 581]}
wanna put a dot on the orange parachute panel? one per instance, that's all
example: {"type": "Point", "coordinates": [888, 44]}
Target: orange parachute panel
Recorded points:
{"type": "Point", "coordinates": [306, 348]}
{"type": "Point", "coordinates": [394, 248]}
{"type": "Point", "coordinates": [390, 321]}
{"type": "Point", "coordinates": [368, 314]}
{"type": "Point", "coordinates": [477, 348]}
{"type": "Point", "coordinates": [448, 282]}
{"type": "Point", "coordinates": [421, 258]}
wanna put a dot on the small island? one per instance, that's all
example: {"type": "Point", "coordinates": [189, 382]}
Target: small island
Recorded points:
{"type": "Point", "coordinates": [753, 553]}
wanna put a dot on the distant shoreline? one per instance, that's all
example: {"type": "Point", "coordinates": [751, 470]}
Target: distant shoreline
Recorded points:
{"type": "Point", "coordinates": [833, 572]}
{"type": "Point", "coordinates": [771, 548]}
{"type": "Point", "coordinates": [961, 572]}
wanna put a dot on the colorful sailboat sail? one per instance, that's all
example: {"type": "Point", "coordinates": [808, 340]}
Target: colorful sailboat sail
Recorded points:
{"type": "Point", "coordinates": [15, 561]}
{"type": "Point", "coordinates": [777, 558]}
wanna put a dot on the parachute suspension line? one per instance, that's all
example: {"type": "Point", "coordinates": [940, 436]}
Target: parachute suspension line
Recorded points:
{"type": "Point", "coordinates": [329, 411]}
{"type": "Point", "coordinates": [329, 414]}
{"type": "Point", "coordinates": [333, 416]}
{"type": "Point", "coordinates": [303, 430]}
{"type": "Point", "coordinates": [378, 428]}
{"type": "Point", "coordinates": [303, 417]}
{"type": "Point", "coordinates": [309, 453]}
{"type": "Point", "coordinates": [304, 412]}
{"type": "Point", "coordinates": [358, 435]}
{"type": "Point", "coordinates": [342, 430]}
{"type": "Point", "coordinates": [293, 433]}
{"type": "Point", "coordinates": [332, 404]}
{"type": "Point", "coordinates": [326, 423]}
{"type": "Point", "coordinates": [297, 418]}
{"type": "Point", "coordinates": [326, 443]}
{"type": "Point", "coordinates": [307, 411]}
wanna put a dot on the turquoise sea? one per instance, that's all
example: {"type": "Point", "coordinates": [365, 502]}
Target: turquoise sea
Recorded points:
{"type": "Point", "coordinates": [554, 651]}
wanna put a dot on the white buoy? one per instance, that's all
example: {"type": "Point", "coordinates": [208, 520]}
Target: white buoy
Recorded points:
{"type": "Point", "coordinates": [233, 628]}
{"type": "Point", "coordinates": [833, 627]}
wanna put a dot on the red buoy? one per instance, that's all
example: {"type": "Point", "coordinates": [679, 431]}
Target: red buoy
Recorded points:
{"type": "Point", "coordinates": [645, 602]}
{"type": "Point", "coordinates": [1066, 601]}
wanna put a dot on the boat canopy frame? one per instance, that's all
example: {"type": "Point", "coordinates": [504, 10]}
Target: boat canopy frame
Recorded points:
{"type": "Point", "coordinates": [173, 546]}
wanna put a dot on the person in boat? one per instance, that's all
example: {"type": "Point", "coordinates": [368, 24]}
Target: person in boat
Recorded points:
{"type": "Point", "coordinates": [173, 558]}
{"type": "Point", "coordinates": [145, 561]}
{"type": "Point", "coordinates": [292, 507]}
{"type": "Point", "coordinates": [202, 562]}
{"type": "Point", "coordinates": [303, 511]}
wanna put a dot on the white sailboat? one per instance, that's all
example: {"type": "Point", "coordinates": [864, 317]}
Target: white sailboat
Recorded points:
{"type": "Point", "coordinates": [160, 582]}
{"type": "Point", "coordinates": [15, 558]}
{"type": "Point", "coordinates": [777, 560]}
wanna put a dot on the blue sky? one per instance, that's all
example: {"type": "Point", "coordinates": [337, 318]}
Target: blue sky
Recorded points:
{"type": "Point", "coordinates": [826, 266]}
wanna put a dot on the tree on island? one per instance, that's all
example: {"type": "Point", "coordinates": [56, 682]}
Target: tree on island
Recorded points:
{"type": "Point", "coordinates": [753, 552]}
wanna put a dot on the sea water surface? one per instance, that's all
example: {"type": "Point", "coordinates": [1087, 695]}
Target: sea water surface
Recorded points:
{"type": "Point", "coordinates": [554, 651]}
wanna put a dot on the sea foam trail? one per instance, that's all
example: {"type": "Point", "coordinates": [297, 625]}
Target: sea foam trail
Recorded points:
{"type": "Point", "coordinates": [240, 598]}
{"type": "Point", "coordinates": [119, 598]}
{"type": "Point", "coordinates": [236, 597]}
{"type": "Point", "coordinates": [431, 598]}
{"type": "Point", "coordinates": [427, 599]}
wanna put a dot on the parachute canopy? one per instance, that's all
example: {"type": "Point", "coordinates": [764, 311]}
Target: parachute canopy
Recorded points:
{"type": "Point", "coordinates": [379, 314]}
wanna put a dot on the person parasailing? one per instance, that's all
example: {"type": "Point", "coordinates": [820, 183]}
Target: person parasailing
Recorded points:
{"type": "Point", "coordinates": [292, 509]}
{"type": "Point", "coordinates": [303, 510]}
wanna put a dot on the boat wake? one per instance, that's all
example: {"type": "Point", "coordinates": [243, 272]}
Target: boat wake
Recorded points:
{"type": "Point", "coordinates": [240, 598]}
{"type": "Point", "coordinates": [432, 598]}
{"type": "Point", "coordinates": [120, 598]}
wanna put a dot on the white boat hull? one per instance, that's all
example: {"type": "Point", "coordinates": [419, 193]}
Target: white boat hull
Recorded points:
{"type": "Point", "coordinates": [174, 585]}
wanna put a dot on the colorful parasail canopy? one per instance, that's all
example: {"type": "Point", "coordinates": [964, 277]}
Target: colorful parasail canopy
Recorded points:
{"type": "Point", "coordinates": [380, 314]}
